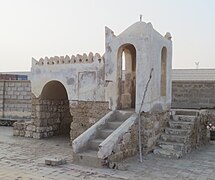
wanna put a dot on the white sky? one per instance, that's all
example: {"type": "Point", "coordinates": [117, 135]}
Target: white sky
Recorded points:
{"type": "Point", "coordinates": [39, 28]}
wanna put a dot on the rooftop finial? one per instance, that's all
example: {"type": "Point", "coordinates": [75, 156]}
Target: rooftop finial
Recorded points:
{"type": "Point", "coordinates": [141, 17]}
{"type": "Point", "coordinates": [197, 65]}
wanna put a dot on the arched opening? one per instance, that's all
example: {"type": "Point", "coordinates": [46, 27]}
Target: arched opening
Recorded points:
{"type": "Point", "coordinates": [54, 90]}
{"type": "Point", "coordinates": [54, 109]}
{"type": "Point", "coordinates": [127, 76]}
{"type": "Point", "coordinates": [163, 71]}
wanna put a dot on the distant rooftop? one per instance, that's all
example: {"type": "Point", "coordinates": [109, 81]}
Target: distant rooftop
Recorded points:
{"type": "Point", "coordinates": [15, 75]}
{"type": "Point", "coordinates": [193, 74]}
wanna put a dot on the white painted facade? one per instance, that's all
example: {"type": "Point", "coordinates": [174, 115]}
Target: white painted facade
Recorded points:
{"type": "Point", "coordinates": [83, 81]}
{"type": "Point", "coordinates": [148, 44]}
{"type": "Point", "coordinates": [96, 78]}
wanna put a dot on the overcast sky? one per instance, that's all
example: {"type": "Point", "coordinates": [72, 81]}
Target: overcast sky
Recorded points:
{"type": "Point", "coordinates": [39, 28]}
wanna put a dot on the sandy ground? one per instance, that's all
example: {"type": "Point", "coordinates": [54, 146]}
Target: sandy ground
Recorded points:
{"type": "Point", "coordinates": [23, 158]}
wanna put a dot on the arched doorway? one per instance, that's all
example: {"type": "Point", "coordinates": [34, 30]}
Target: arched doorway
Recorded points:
{"type": "Point", "coordinates": [127, 76]}
{"type": "Point", "coordinates": [54, 108]}
{"type": "Point", "coordinates": [163, 71]}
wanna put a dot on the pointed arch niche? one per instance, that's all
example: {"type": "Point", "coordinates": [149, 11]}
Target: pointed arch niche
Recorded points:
{"type": "Point", "coordinates": [127, 76]}
{"type": "Point", "coordinates": [163, 71]}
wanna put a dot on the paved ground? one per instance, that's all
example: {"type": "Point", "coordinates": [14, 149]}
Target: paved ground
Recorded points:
{"type": "Point", "coordinates": [23, 158]}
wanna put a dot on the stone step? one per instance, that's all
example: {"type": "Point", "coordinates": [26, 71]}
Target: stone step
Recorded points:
{"type": "Point", "coordinates": [104, 133]}
{"type": "Point", "coordinates": [181, 132]}
{"type": "Point", "coordinates": [94, 144]}
{"type": "Point", "coordinates": [189, 112]}
{"type": "Point", "coordinates": [183, 118]}
{"type": "Point", "coordinates": [171, 145]}
{"type": "Point", "coordinates": [180, 125]}
{"type": "Point", "coordinates": [168, 153]}
{"type": "Point", "coordinates": [113, 124]}
{"type": "Point", "coordinates": [122, 115]}
{"type": "Point", "coordinates": [173, 138]}
{"type": "Point", "coordinates": [88, 158]}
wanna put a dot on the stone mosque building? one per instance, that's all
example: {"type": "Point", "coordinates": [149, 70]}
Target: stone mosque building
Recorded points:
{"type": "Point", "coordinates": [114, 105]}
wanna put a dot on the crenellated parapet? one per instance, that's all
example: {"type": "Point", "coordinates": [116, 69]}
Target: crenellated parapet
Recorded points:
{"type": "Point", "coordinates": [90, 58]}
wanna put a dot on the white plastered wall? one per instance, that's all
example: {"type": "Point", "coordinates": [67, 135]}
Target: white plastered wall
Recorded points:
{"type": "Point", "coordinates": [83, 81]}
{"type": "Point", "coordinates": [148, 44]}
{"type": "Point", "coordinates": [99, 80]}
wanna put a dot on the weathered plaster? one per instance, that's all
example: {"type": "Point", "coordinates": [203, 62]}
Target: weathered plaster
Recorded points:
{"type": "Point", "coordinates": [82, 80]}
{"type": "Point", "coordinates": [148, 44]}
{"type": "Point", "coordinates": [95, 78]}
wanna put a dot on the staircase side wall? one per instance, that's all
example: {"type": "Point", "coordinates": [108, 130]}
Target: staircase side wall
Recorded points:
{"type": "Point", "coordinates": [127, 146]}
{"type": "Point", "coordinates": [199, 135]}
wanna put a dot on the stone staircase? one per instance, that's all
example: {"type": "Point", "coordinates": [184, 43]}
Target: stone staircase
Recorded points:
{"type": "Point", "coordinates": [176, 140]}
{"type": "Point", "coordinates": [88, 156]}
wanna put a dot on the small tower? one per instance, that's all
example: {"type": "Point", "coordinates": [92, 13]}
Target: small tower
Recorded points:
{"type": "Point", "coordinates": [140, 48]}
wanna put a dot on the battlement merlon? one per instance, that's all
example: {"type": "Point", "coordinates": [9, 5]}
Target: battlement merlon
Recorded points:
{"type": "Point", "coordinates": [90, 58]}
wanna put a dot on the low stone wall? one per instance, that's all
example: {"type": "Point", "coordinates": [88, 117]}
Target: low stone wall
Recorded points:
{"type": "Point", "coordinates": [54, 117]}
{"type": "Point", "coordinates": [193, 94]}
{"type": "Point", "coordinates": [15, 99]}
{"type": "Point", "coordinates": [85, 114]}
{"type": "Point", "coordinates": [199, 132]}
{"type": "Point", "coordinates": [49, 118]}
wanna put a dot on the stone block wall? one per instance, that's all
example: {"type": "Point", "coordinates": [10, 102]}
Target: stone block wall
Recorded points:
{"type": "Point", "coordinates": [49, 118]}
{"type": "Point", "coordinates": [193, 94]}
{"type": "Point", "coordinates": [15, 99]}
{"type": "Point", "coordinates": [54, 117]}
{"type": "Point", "coordinates": [85, 114]}
{"type": "Point", "coordinates": [199, 132]}
{"type": "Point", "coordinates": [152, 125]}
